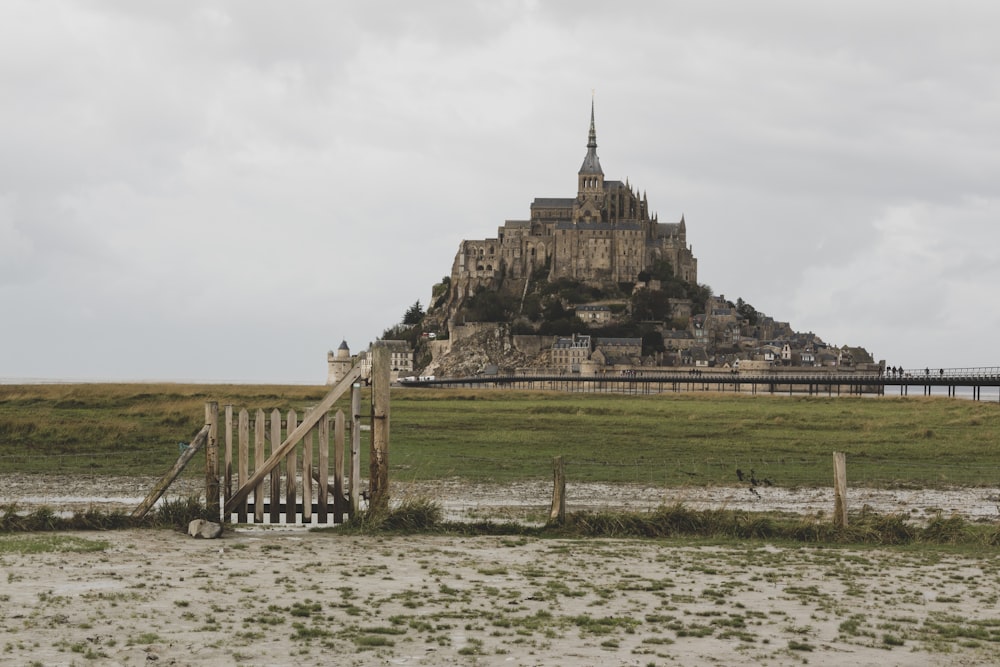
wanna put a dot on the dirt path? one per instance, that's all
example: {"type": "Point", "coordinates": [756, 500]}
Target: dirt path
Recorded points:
{"type": "Point", "coordinates": [275, 597]}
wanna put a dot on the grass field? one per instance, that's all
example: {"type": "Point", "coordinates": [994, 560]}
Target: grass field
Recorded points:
{"type": "Point", "coordinates": [490, 435]}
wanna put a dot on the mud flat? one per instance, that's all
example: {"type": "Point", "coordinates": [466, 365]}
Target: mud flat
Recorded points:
{"type": "Point", "coordinates": [270, 596]}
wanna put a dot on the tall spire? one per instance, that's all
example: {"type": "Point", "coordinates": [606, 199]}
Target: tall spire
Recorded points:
{"type": "Point", "coordinates": [591, 164]}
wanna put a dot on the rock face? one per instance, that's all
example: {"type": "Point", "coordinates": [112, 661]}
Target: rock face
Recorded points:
{"type": "Point", "coordinates": [489, 346]}
{"type": "Point", "coordinates": [203, 529]}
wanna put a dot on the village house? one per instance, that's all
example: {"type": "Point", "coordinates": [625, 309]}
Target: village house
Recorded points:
{"type": "Point", "coordinates": [594, 315]}
{"type": "Point", "coordinates": [569, 353]}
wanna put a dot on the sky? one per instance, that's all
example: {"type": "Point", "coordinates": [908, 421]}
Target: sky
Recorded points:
{"type": "Point", "coordinates": [224, 191]}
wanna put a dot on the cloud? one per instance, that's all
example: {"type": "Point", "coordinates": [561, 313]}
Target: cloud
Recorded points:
{"type": "Point", "coordinates": [267, 180]}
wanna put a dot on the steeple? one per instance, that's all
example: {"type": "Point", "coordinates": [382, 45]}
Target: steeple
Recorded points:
{"type": "Point", "coordinates": [591, 163]}
{"type": "Point", "coordinates": [590, 179]}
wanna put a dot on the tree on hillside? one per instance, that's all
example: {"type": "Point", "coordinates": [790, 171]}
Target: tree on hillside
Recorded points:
{"type": "Point", "coordinates": [746, 311]}
{"type": "Point", "coordinates": [650, 305]}
{"type": "Point", "coordinates": [414, 314]}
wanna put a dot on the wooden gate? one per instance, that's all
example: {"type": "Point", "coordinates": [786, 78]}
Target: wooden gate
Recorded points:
{"type": "Point", "coordinates": [303, 486]}
{"type": "Point", "coordinates": [279, 484]}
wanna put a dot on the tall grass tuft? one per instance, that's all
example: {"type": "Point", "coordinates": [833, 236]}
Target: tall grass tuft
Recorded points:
{"type": "Point", "coordinates": [411, 515]}
{"type": "Point", "coordinates": [179, 512]}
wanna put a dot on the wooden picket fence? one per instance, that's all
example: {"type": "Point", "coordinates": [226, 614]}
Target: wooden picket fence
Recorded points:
{"type": "Point", "coordinates": [302, 487]}
{"type": "Point", "coordinates": [264, 483]}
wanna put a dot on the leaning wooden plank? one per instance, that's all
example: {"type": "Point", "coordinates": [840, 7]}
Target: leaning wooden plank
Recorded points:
{"type": "Point", "coordinates": [172, 474]}
{"type": "Point", "coordinates": [292, 438]}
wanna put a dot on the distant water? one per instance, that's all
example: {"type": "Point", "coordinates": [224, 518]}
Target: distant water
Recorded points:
{"type": "Point", "coordinates": [985, 394]}
{"type": "Point", "coordinates": [242, 381]}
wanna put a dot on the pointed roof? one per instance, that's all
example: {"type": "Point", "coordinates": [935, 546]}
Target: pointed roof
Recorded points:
{"type": "Point", "coordinates": [591, 164]}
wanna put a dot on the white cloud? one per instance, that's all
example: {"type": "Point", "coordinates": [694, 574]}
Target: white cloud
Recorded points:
{"type": "Point", "coordinates": [267, 180]}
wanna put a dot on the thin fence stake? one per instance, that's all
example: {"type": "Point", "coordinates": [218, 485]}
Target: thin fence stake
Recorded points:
{"type": "Point", "coordinates": [840, 489]}
{"type": "Point", "coordinates": [558, 512]}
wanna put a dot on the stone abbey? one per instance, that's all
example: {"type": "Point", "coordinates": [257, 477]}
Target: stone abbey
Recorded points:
{"type": "Point", "coordinates": [605, 235]}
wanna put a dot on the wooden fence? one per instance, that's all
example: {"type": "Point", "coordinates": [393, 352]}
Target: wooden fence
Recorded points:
{"type": "Point", "coordinates": [310, 482]}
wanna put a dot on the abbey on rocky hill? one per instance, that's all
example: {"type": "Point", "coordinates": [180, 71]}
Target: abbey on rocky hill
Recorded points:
{"type": "Point", "coordinates": [603, 236]}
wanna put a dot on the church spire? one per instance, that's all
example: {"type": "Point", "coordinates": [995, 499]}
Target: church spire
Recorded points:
{"type": "Point", "coordinates": [591, 201]}
{"type": "Point", "coordinates": [591, 164]}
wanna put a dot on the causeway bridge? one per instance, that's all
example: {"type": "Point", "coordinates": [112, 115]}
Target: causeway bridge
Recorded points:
{"type": "Point", "coordinates": [953, 382]}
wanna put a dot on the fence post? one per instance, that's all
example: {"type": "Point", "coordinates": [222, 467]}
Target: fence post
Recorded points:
{"type": "Point", "coordinates": [839, 490]}
{"type": "Point", "coordinates": [212, 460]}
{"type": "Point", "coordinates": [259, 429]}
{"type": "Point", "coordinates": [558, 511]}
{"type": "Point", "coordinates": [228, 464]}
{"type": "Point", "coordinates": [378, 478]}
{"type": "Point", "coordinates": [339, 504]}
{"type": "Point", "coordinates": [243, 460]}
{"type": "Point", "coordinates": [355, 481]}
{"type": "Point", "coordinates": [275, 513]}
{"type": "Point", "coordinates": [291, 470]}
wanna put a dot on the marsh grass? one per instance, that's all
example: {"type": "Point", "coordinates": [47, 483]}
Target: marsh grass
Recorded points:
{"type": "Point", "coordinates": [48, 543]}
{"type": "Point", "coordinates": [172, 513]}
{"type": "Point", "coordinates": [679, 521]}
{"type": "Point", "coordinates": [503, 436]}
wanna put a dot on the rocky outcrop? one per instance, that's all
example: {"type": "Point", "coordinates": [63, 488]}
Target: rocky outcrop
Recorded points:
{"type": "Point", "coordinates": [476, 352]}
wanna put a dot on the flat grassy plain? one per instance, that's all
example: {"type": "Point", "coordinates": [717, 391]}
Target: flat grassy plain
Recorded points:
{"type": "Point", "coordinates": [503, 436]}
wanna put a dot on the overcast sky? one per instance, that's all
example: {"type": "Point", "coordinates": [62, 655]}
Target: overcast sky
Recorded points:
{"type": "Point", "coordinates": [223, 191]}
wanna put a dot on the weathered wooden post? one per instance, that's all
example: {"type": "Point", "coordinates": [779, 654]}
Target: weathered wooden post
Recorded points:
{"type": "Point", "coordinates": [243, 463]}
{"type": "Point", "coordinates": [378, 478]}
{"type": "Point", "coordinates": [259, 426]}
{"type": "Point", "coordinates": [323, 474]}
{"type": "Point", "coordinates": [839, 490]}
{"type": "Point", "coordinates": [307, 472]}
{"type": "Point", "coordinates": [339, 505]}
{"type": "Point", "coordinates": [558, 512]}
{"type": "Point", "coordinates": [355, 481]}
{"type": "Point", "coordinates": [228, 463]}
{"type": "Point", "coordinates": [275, 514]}
{"type": "Point", "coordinates": [291, 470]}
{"type": "Point", "coordinates": [212, 460]}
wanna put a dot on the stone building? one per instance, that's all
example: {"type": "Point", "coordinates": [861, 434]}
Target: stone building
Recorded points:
{"type": "Point", "coordinates": [604, 235]}
{"type": "Point", "coordinates": [569, 353]}
{"type": "Point", "coordinates": [338, 364]}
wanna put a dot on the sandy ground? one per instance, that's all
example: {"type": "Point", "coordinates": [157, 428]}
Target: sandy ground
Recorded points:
{"type": "Point", "coordinates": [290, 596]}
{"type": "Point", "coordinates": [270, 596]}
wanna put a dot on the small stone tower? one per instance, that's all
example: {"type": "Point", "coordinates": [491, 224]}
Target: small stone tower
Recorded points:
{"type": "Point", "coordinates": [338, 364]}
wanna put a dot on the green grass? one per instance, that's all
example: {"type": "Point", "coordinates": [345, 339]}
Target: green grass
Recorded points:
{"type": "Point", "coordinates": [48, 543]}
{"type": "Point", "coordinates": [503, 436]}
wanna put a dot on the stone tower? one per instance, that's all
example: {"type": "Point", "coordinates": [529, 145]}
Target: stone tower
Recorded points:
{"type": "Point", "coordinates": [338, 363]}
